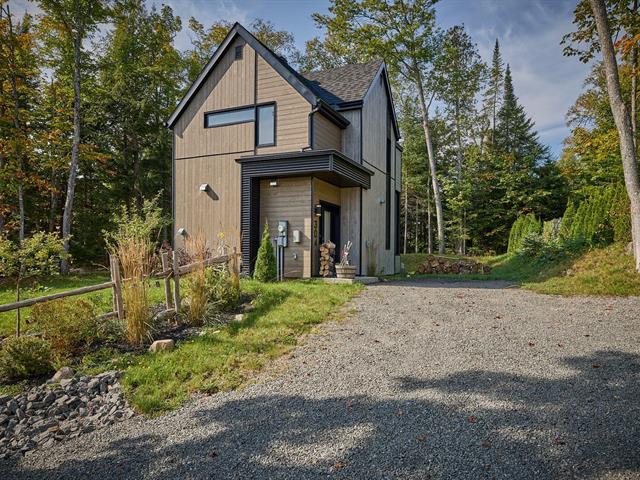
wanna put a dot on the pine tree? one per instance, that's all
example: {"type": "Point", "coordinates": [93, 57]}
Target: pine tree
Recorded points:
{"type": "Point", "coordinates": [494, 89]}
{"type": "Point", "coordinates": [265, 268]}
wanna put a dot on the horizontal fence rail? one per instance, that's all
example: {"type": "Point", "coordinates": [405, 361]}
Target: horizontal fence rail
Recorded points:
{"type": "Point", "coordinates": [117, 283]}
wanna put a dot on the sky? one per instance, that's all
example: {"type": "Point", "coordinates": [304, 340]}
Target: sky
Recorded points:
{"type": "Point", "coordinates": [529, 32]}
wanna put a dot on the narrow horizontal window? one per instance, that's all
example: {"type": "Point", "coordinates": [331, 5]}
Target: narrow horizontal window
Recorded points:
{"type": "Point", "coordinates": [266, 127]}
{"type": "Point", "coordinates": [229, 117]}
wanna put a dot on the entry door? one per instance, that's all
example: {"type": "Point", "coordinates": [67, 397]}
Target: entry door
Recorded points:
{"type": "Point", "coordinates": [330, 226]}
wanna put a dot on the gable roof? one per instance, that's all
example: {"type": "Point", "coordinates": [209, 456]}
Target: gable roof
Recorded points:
{"type": "Point", "coordinates": [326, 90]}
{"type": "Point", "coordinates": [349, 83]}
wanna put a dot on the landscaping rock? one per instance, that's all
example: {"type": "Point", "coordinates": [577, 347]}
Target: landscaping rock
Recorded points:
{"type": "Point", "coordinates": [48, 414]}
{"type": "Point", "coordinates": [238, 317]}
{"type": "Point", "coordinates": [63, 374]}
{"type": "Point", "coordinates": [160, 345]}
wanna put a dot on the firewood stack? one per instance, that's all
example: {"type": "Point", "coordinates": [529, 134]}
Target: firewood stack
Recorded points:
{"type": "Point", "coordinates": [327, 267]}
{"type": "Point", "coordinates": [461, 266]}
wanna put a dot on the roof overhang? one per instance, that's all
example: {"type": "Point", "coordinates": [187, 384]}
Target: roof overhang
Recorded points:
{"type": "Point", "coordinates": [288, 73]}
{"type": "Point", "coordinates": [330, 165]}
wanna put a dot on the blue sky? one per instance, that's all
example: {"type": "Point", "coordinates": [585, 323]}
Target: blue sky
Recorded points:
{"type": "Point", "coordinates": [529, 32]}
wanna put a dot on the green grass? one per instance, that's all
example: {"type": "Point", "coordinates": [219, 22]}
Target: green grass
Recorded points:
{"type": "Point", "coordinates": [53, 285]}
{"type": "Point", "coordinates": [606, 271]}
{"type": "Point", "coordinates": [225, 358]}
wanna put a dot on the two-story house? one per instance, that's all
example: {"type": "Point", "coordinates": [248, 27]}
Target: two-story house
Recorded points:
{"type": "Point", "coordinates": [255, 141]}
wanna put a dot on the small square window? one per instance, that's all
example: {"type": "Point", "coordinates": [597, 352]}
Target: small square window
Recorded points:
{"type": "Point", "coordinates": [239, 50]}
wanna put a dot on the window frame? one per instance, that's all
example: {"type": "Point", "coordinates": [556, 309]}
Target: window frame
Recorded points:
{"type": "Point", "coordinates": [257, 124]}
{"type": "Point", "coordinates": [226, 110]}
{"type": "Point", "coordinates": [239, 52]}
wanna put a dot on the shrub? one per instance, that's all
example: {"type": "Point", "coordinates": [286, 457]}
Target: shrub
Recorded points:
{"type": "Point", "coordinates": [222, 292]}
{"type": "Point", "coordinates": [265, 269]}
{"type": "Point", "coordinates": [70, 326]}
{"type": "Point", "coordinates": [567, 221]}
{"type": "Point", "coordinates": [24, 357]}
{"type": "Point", "coordinates": [133, 244]}
{"type": "Point", "coordinates": [521, 228]}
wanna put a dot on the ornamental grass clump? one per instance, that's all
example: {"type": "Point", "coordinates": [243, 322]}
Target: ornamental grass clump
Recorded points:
{"type": "Point", "coordinates": [196, 282]}
{"type": "Point", "coordinates": [132, 242]}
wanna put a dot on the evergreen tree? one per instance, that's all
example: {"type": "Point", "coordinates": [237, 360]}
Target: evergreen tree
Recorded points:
{"type": "Point", "coordinates": [494, 89]}
{"type": "Point", "coordinates": [265, 269]}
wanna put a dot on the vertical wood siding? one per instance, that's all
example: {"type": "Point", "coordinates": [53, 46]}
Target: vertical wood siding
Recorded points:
{"type": "Point", "coordinates": [213, 212]}
{"type": "Point", "coordinates": [326, 134]}
{"type": "Point", "coordinates": [291, 201]}
{"type": "Point", "coordinates": [292, 110]}
{"type": "Point", "coordinates": [230, 84]}
{"type": "Point", "coordinates": [351, 135]}
{"type": "Point", "coordinates": [375, 112]}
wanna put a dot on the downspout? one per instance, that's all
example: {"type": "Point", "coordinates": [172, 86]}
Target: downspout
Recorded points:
{"type": "Point", "coordinates": [315, 109]}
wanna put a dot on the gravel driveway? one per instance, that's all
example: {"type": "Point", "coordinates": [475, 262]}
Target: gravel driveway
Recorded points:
{"type": "Point", "coordinates": [427, 380]}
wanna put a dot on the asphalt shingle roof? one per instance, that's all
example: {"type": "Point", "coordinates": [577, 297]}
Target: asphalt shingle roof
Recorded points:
{"type": "Point", "coordinates": [343, 84]}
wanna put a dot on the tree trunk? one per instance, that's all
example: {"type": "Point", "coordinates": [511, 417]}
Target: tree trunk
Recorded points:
{"type": "Point", "coordinates": [459, 164]}
{"type": "Point", "coordinates": [437, 198]}
{"type": "Point", "coordinates": [406, 217]}
{"type": "Point", "coordinates": [429, 225]}
{"type": "Point", "coordinates": [634, 87]}
{"type": "Point", "coordinates": [622, 121]}
{"type": "Point", "coordinates": [17, 136]}
{"type": "Point", "coordinates": [73, 168]}
{"type": "Point", "coordinates": [417, 224]}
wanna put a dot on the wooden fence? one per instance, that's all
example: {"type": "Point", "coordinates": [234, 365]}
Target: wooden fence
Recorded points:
{"type": "Point", "coordinates": [168, 272]}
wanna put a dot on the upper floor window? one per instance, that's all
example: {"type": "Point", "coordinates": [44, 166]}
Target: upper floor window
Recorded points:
{"type": "Point", "coordinates": [239, 50]}
{"type": "Point", "coordinates": [263, 115]}
{"type": "Point", "coordinates": [229, 117]}
{"type": "Point", "coordinates": [266, 127]}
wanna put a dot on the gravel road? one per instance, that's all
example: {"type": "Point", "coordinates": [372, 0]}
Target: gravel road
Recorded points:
{"type": "Point", "coordinates": [426, 380]}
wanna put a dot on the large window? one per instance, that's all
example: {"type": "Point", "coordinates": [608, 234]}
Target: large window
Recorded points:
{"type": "Point", "coordinates": [263, 115]}
{"type": "Point", "coordinates": [228, 117]}
{"type": "Point", "coordinates": [266, 127]}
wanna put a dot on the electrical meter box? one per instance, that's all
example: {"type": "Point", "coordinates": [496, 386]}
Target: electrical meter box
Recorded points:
{"type": "Point", "coordinates": [283, 227]}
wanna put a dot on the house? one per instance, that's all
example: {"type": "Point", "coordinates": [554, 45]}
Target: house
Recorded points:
{"type": "Point", "coordinates": [255, 141]}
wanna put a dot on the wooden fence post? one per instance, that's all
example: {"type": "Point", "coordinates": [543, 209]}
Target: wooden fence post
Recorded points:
{"type": "Point", "coordinates": [164, 256]}
{"type": "Point", "coordinates": [176, 282]}
{"type": "Point", "coordinates": [118, 306]}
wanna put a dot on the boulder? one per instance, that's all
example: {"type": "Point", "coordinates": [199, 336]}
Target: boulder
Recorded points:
{"type": "Point", "coordinates": [239, 317]}
{"type": "Point", "coordinates": [63, 374]}
{"type": "Point", "coordinates": [160, 345]}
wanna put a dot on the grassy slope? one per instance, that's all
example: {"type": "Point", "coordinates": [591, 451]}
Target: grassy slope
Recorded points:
{"type": "Point", "coordinates": [606, 271]}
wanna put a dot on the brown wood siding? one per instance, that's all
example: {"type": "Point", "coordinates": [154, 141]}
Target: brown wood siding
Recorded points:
{"type": "Point", "coordinates": [323, 191]}
{"type": "Point", "coordinates": [350, 223]}
{"type": "Point", "coordinates": [375, 112]}
{"type": "Point", "coordinates": [292, 110]}
{"type": "Point", "coordinates": [230, 84]}
{"type": "Point", "coordinates": [326, 134]}
{"type": "Point", "coordinates": [216, 211]}
{"type": "Point", "coordinates": [351, 135]}
{"type": "Point", "coordinates": [291, 201]}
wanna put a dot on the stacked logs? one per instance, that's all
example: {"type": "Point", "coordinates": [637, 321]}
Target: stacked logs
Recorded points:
{"type": "Point", "coordinates": [461, 266]}
{"type": "Point", "coordinates": [327, 267]}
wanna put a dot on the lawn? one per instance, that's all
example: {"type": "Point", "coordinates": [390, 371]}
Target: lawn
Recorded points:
{"type": "Point", "coordinates": [606, 271]}
{"type": "Point", "coordinates": [222, 357]}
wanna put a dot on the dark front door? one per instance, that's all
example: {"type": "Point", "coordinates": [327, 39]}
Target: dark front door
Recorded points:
{"type": "Point", "coordinates": [330, 226]}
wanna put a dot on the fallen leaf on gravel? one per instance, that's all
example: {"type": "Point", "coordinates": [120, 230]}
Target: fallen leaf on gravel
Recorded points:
{"type": "Point", "coordinates": [498, 317]}
{"type": "Point", "coordinates": [349, 403]}
{"type": "Point", "coordinates": [559, 441]}
{"type": "Point", "coordinates": [400, 413]}
{"type": "Point", "coordinates": [338, 465]}
{"type": "Point", "coordinates": [213, 454]}
{"type": "Point", "coordinates": [421, 438]}
{"type": "Point", "coordinates": [561, 345]}
{"type": "Point", "coordinates": [532, 344]}
{"type": "Point", "coordinates": [486, 444]}
{"type": "Point", "coordinates": [472, 419]}
{"type": "Point", "coordinates": [595, 365]}
{"type": "Point", "coordinates": [587, 335]}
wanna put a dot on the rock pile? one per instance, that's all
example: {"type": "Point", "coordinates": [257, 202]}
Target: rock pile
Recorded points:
{"type": "Point", "coordinates": [56, 411]}
{"type": "Point", "coordinates": [436, 265]}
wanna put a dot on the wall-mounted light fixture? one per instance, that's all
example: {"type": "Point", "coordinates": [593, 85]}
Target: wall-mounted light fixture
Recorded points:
{"type": "Point", "coordinates": [317, 210]}
{"type": "Point", "coordinates": [204, 187]}
{"type": "Point", "coordinates": [182, 232]}
{"type": "Point", "coordinates": [381, 200]}
{"type": "Point", "coordinates": [273, 183]}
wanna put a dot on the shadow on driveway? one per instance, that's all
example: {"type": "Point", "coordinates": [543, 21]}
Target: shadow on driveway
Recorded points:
{"type": "Point", "coordinates": [585, 425]}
